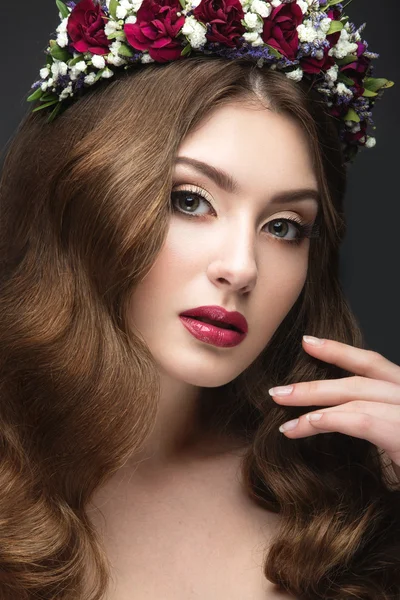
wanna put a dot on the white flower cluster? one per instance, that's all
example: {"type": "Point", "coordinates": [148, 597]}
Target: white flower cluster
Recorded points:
{"type": "Point", "coordinates": [344, 45]}
{"type": "Point", "coordinates": [311, 30]}
{"type": "Point", "coordinates": [195, 32]}
{"type": "Point", "coordinates": [62, 37]}
{"type": "Point", "coordinates": [255, 11]}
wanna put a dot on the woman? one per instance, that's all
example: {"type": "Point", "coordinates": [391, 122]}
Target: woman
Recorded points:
{"type": "Point", "coordinates": [142, 456]}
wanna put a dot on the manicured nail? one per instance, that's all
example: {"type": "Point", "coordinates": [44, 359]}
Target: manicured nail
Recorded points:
{"type": "Point", "coordinates": [283, 390]}
{"type": "Point", "coordinates": [314, 341]}
{"type": "Point", "coordinates": [288, 426]}
{"type": "Point", "coordinates": [314, 417]}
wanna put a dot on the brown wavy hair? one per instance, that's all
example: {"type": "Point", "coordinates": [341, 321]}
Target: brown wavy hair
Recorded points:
{"type": "Point", "coordinates": [85, 205]}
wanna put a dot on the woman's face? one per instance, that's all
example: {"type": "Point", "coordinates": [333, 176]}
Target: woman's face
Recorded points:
{"type": "Point", "coordinates": [238, 254]}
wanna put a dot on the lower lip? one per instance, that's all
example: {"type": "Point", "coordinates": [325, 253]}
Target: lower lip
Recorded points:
{"type": "Point", "coordinates": [211, 334]}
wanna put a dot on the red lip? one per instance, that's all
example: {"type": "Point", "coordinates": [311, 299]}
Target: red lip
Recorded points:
{"type": "Point", "coordinates": [219, 314]}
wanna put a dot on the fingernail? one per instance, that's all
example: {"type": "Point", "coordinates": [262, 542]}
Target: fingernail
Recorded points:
{"type": "Point", "coordinates": [288, 426]}
{"type": "Point", "coordinates": [314, 417]}
{"type": "Point", "coordinates": [283, 390]}
{"type": "Point", "coordinates": [314, 341]}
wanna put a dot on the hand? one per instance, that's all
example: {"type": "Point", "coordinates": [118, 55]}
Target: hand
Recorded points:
{"type": "Point", "coordinates": [368, 404]}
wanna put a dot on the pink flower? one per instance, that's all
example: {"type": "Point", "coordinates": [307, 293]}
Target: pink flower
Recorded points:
{"type": "Point", "coordinates": [86, 28]}
{"type": "Point", "coordinates": [224, 17]}
{"type": "Point", "coordinates": [156, 28]}
{"type": "Point", "coordinates": [280, 29]}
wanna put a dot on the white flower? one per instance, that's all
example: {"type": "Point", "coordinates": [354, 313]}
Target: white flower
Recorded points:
{"type": "Point", "coordinates": [131, 19]}
{"type": "Point", "coordinates": [295, 75]}
{"type": "Point", "coordinates": [89, 79]}
{"type": "Point", "coordinates": [111, 27]}
{"type": "Point", "coordinates": [343, 46]}
{"type": "Point", "coordinates": [98, 61]}
{"type": "Point", "coordinates": [62, 39]}
{"type": "Point", "coordinates": [262, 8]}
{"type": "Point", "coordinates": [146, 58]}
{"type": "Point", "coordinates": [325, 24]}
{"type": "Point", "coordinates": [303, 5]}
{"type": "Point", "coordinates": [45, 72]}
{"type": "Point", "coordinates": [121, 12]}
{"type": "Point", "coordinates": [309, 31]}
{"type": "Point", "coordinates": [371, 142]}
{"type": "Point", "coordinates": [44, 86]}
{"type": "Point", "coordinates": [276, 3]}
{"type": "Point", "coordinates": [117, 61]}
{"type": "Point", "coordinates": [66, 92]}
{"type": "Point", "coordinates": [356, 127]}
{"type": "Point", "coordinates": [253, 21]}
{"type": "Point", "coordinates": [306, 32]}
{"type": "Point", "coordinates": [113, 57]}
{"type": "Point", "coordinates": [63, 25]}
{"type": "Point", "coordinates": [343, 90]}
{"type": "Point", "coordinates": [332, 73]}
{"type": "Point", "coordinates": [77, 69]}
{"type": "Point", "coordinates": [59, 68]}
{"type": "Point", "coordinates": [107, 73]}
{"type": "Point", "coordinates": [251, 36]}
{"type": "Point", "coordinates": [195, 32]}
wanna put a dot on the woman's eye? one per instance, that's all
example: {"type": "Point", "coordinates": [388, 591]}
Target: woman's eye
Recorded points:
{"type": "Point", "coordinates": [279, 228]}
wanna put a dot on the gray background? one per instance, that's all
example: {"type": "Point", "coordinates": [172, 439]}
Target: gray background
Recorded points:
{"type": "Point", "coordinates": [370, 254]}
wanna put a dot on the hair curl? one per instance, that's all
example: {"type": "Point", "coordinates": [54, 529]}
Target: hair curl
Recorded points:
{"type": "Point", "coordinates": [85, 210]}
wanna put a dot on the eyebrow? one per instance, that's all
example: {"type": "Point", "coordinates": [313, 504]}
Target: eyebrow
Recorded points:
{"type": "Point", "coordinates": [229, 184]}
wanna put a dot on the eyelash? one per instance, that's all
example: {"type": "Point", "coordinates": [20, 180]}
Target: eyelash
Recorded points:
{"type": "Point", "coordinates": [304, 229]}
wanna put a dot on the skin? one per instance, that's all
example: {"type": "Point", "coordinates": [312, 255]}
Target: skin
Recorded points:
{"type": "Point", "coordinates": [232, 258]}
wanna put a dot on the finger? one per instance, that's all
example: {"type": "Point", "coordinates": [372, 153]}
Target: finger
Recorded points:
{"type": "Point", "coordinates": [381, 432]}
{"type": "Point", "coordinates": [355, 360]}
{"type": "Point", "coordinates": [328, 392]}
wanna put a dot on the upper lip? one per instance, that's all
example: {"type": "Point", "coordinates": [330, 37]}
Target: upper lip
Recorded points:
{"type": "Point", "coordinates": [218, 313]}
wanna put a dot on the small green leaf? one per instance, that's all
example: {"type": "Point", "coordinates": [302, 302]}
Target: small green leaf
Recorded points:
{"type": "Point", "coordinates": [113, 8]}
{"type": "Point", "coordinates": [74, 61]}
{"type": "Point", "coordinates": [36, 95]}
{"type": "Point", "coordinates": [374, 84]}
{"type": "Point", "coordinates": [352, 116]}
{"type": "Point", "coordinates": [124, 50]}
{"type": "Point", "coordinates": [274, 51]}
{"type": "Point", "coordinates": [63, 9]}
{"type": "Point", "coordinates": [350, 58]}
{"type": "Point", "coordinates": [182, 3]}
{"type": "Point", "coordinates": [98, 75]}
{"type": "Point", "coordinates": [60, 53]}
{"type": "Point", "coordinates": [369, 94]}
{"type": "Point", "coordinates": [344, 79]}
{"type": "Point", "coordinates": [45, 105]}
{"type": "Point", "coordinates": [335, 26]}
{"type": "Point", "coordinates": [332, 3]}
{"type": "Point", "coordinates": [187, 50]}
{"type": "Point", "coordinates": [48, 96]}
{"type": "Point", "coordinates": [54, 112]}
{"type": "Point", "coordinates": [117, 35]}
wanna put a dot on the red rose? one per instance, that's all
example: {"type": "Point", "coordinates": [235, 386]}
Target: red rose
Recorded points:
{"type": "Point", "coordinates": [156, 28]}
{"type": "Point", "coordinates": [314, 65]}
{"type": "Point", "coordinates": [280, 29]}
{"type": "Point", "coordinates": [86, 28]}
{"type": "Point", "coordinates": [224, 17]}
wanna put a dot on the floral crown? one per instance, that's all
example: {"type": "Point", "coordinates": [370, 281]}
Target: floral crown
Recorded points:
{"type": "Point", "coordinates": [310, 39]}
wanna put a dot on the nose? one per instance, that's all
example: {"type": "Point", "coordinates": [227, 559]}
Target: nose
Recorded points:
{"type": "Point", "coordinates": [235, 263]}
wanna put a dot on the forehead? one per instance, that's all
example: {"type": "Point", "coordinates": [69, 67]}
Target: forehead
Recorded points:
{"type": "Point", "coordinates": [253, 142]}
